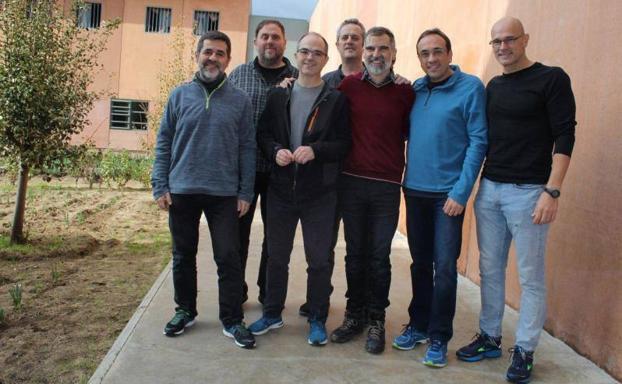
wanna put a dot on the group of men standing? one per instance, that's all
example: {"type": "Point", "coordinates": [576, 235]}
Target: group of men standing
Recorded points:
{"type": "Point", "coordinates": [323, 149]}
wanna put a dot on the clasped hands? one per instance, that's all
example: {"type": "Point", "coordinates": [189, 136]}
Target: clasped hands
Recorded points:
{"type": "Point", "coordinates": [301, 155]}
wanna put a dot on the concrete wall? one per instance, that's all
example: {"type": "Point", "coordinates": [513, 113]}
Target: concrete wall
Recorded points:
{"type": "Point", "coordinates": [584, 255]}
{"type": "Point", "coordinates": [134, 58]}
{"type": "Point", "coordinates": [293, 30]}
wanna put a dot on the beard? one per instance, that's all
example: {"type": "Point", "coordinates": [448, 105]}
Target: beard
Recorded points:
{"type": "Point", "coordinates": [270, 59]}
{"type": "Point", "coordinates": [211, 73]}
{"type": "Point", "coordinates": [377, 66]}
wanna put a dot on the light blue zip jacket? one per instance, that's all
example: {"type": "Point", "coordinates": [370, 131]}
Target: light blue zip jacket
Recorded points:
{"type": "Point", "coordinates": [448, 136]}
{"type": "Point", "coordinates": [206, 143]}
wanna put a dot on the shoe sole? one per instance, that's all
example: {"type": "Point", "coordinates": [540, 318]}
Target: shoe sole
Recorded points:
{"type": "Point", "coordinates": [173, 334]}
{"type": "Point", "coordinates": [494, 354]}
{"type": "Point", "coordinates": [266, 330]}
{"type": "Point", "coordinates": [432, 364]}
{"type": "Point", "coordinates": [245, 346]}
{"type": "Point", "coordinates": [517, 381]}
{"type": "Point", "coordinates": [318, 343]}
{"type": "Point", "coordinates": [409, 348]}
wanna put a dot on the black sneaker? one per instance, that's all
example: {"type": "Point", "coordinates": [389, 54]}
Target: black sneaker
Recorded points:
{"type": "Point", "coordinates": [304, 310]}
{"type": "Point", "coordinates": [520, 369]}
{"type": "Point", "coordinates": [182, 320]}
{"type": "Point", "coordinates": [349, 328]}
{"type": "Point", "coordinates": [482, 347]}
{"type": "Point", "coordinates": [375, 337]}
{"type": "Point", "coordinates": [241, 335]}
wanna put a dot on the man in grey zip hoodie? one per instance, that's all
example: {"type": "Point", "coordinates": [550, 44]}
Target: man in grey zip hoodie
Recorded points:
{"type": "Point", "coordinates": [205, 164]}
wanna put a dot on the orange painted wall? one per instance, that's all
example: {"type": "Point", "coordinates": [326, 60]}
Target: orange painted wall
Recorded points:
{"type": "Point", "coordinates": [134, 58]}
{"type": "Point", "coordinates": [584, 254]}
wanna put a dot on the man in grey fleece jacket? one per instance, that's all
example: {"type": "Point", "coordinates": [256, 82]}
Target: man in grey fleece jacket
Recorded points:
{"type": "Point", "coordinates": [205, 164]}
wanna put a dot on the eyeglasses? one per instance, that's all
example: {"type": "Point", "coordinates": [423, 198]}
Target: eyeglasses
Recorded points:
{"type": "Point", "coordinates": [496, 43]}
{"type": "Point", "coordinates": [311, 52]}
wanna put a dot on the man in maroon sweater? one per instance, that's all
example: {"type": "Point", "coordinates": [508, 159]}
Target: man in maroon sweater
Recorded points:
{"type": "Point", "coordinates": [369, 192]}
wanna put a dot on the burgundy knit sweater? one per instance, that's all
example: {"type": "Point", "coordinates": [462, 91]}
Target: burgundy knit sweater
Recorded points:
{"type": "Point", "coordinates": [379, 122]}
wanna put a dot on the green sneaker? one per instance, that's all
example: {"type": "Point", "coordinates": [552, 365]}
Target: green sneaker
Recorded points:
{"type": "Point", "coordinates": [182, 320]}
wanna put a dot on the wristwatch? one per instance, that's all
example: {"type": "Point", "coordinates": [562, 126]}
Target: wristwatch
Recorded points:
{"type": "Point", "coordinates": [555, 193]}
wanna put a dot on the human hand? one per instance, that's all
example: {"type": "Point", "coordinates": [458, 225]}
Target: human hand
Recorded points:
{"type": "Point", "coordinates": [303, 154]}
{"type": "Point", "coordinates": [164, 201]}
{"type": "Point", "coordinates": [284, 157]}
{"type": "Point", "coordinates": [243, 207]}
{"type": "Point", "coordinates": [546, 209]}
{"type": "Point", "coordinates": [452, 208]}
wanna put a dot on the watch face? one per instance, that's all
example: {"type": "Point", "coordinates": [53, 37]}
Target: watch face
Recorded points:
{"type": "Point", "coordinates": [553, 192]}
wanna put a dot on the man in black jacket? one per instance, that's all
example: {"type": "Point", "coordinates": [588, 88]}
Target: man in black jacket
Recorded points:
{"type": "Point", "coordinates": [305, 130]}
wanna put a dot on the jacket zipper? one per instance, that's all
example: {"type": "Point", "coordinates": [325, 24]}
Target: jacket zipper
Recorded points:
{"type": "Point", "coordinates": [208, 95]}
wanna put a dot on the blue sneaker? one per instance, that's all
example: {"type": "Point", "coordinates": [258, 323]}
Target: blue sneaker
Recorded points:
{"type": "Point", "coordinates": [436, 354]}
{"type": "Point", "coordinates": [482, 347]}
{"type": "Point", "coordinates": [265, 324]}
{"type": "Point", "coordinates": [409, 339]}
{"type": "Point", "coordinates": [317, 333]}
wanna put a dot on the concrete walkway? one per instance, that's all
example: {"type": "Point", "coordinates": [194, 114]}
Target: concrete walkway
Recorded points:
{"type": "Point", "coordinates": [202, 354]}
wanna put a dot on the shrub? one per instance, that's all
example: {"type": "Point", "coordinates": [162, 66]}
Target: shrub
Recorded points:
{"type": "Point", "coordinates": [117, 167]}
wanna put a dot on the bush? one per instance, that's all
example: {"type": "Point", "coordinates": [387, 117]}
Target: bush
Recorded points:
{"type": "Point", "coordinates": [141, 170]}
{"type": "Point", "coordinates": [117, 167]}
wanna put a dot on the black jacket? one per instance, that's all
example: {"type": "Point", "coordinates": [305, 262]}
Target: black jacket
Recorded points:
{"type": "Point", "coordinates": [327, 132]}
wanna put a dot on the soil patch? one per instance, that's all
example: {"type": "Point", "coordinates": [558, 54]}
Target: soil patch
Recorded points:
{"type": "Point", "coordinates": [91, 256]}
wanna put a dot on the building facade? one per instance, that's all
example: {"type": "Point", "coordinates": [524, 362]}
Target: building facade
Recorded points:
{"type": "Point", "coordinates": [141, 49]}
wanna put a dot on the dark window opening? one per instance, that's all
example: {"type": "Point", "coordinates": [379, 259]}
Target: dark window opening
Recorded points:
{"type": "Point", "coordinates": [205, 21]}
{"type": "Point", "coordinates": [158, 20]}
{"type": "Point", "coordinates": [90, 15]}
{"type": "Point", "coordinates": [128, 114]}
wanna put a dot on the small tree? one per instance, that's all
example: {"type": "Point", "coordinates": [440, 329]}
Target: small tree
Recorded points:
{"type": "Point", "coordinates": [175, 69]}
{"type": "Point", "coordinates": [46, 67]}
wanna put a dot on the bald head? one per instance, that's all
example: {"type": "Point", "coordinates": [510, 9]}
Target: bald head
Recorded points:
{"type": "Point", "coordinates": [508, 24]}
{"type": "Point", "coordinates": [509, 42]}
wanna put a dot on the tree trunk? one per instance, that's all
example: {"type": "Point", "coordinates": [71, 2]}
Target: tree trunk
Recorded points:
{"type": "Point", "coordinates": [17, 230]}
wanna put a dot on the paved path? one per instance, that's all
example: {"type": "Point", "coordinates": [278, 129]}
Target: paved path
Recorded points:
{"type": "Point", "coordinates": [142, 354]}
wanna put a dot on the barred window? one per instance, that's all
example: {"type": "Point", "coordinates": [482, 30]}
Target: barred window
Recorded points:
{"type": "Point", "coordinates": [128, 114]}
{"type": "Point", "coordinates": [89, 15]}
{"type": "Point", "coordinates": [205, 21]}
{"type": "Point", "coordinates": [158, 20]}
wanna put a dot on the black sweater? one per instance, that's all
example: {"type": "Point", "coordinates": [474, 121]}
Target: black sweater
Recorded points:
{"type": "Point", "coordinates": [327, 132]}
{"type": "Point", "coordinates": [531, 115]}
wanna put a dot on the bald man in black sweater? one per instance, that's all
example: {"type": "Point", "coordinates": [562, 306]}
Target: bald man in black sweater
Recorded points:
{"type": "Point", "coordinates": [531, 125]}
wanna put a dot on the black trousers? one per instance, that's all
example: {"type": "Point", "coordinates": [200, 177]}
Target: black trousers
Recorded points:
{"type": "Point", "coordinates": [246, 221]}
{"type": "Point", "coordinates": [222, 218]}
{"type": "Point", "coordinates": [317, 217]}
{"type": "Point", "coordinates": [370, 212]}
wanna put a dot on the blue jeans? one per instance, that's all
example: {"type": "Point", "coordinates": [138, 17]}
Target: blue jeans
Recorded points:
{"type": "Point", "coordinates": [434, 239]}
{"type": "Point", "coordinates": [370, 211]}
{"type": "Point", "coordinates": [503, 212]}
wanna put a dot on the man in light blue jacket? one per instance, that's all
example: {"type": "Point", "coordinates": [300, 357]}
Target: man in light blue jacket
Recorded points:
{"type": "Point", "coordinates": [446, 148]}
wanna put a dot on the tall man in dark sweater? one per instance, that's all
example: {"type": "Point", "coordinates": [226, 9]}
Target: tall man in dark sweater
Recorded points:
{"type": "Point", "coordinates": [531, 120]}
{"type": "Point", "coordinates": [256, 78]}
{"type": "Point", "coordinates": [369, 192]}
{"type": "Point", "coordinates": [205, 164]}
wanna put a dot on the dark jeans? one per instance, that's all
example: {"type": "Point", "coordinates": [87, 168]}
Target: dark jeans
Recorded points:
{"type": "Point", "coordinates": [222, 219]}
{"type": "Point", "coordinates": [434, 240]}
{"type": "Point", "coordinates": [317, 218]}
{"type": "Point", "coordinates": [370, 211]}
{"type": "Point", "coordinates": [246, 221]}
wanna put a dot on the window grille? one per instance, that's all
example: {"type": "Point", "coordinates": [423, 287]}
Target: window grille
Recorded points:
{"type": "Point", "coordinates": [128, 114]}
{"type": "Point", "coordinates": [205, 21]}
{"type": "Point", "coordinates": [90, 15]}
{"type": "Point", "coordinates": [158, 20]}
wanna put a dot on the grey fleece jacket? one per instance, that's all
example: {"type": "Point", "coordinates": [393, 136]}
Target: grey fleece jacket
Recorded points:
{"type": "Point", "coordinates": [206, 143]}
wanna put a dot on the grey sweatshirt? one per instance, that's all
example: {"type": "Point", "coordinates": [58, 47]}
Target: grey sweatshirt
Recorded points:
{"type": "Point", "coordinates": [206, 143]}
